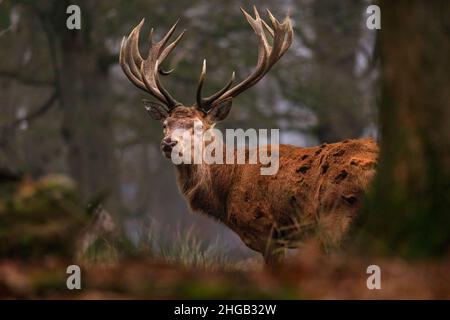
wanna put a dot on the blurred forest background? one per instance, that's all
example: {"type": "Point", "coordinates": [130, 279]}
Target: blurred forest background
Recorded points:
{"type": "Point", "coordinates": [67, 107]}
{"type": "Point", "coordinates": [74, 137]}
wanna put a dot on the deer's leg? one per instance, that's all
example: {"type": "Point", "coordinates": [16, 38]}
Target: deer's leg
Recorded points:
{"type": "Point", "coordinates": [272, 259]}
{"type": "Point", "coordinates": [274, 255]}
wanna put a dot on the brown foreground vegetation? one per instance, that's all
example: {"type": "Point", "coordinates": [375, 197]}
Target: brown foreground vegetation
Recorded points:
{"type": "Point", "coordinates": [33, 264]}
{"type": "Point", "coordinates": [309, 275]}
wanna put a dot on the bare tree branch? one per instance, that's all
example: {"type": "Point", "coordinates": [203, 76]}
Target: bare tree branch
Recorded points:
{"type": "Point", "coordinates": [47, 105]}
{"type": "Point", "coordinates": [4, 31]}
{"type": "Point", "coordinates": [7, 29]}
{"type": "Point", "coordinates": [24, 79]}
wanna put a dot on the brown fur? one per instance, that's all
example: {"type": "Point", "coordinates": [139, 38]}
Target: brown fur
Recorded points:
{"type": "Point", "coordinates": [317, 190]}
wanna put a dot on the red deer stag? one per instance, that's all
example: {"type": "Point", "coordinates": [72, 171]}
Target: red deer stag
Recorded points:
{"type": "Point", "coordinates": [316, 190]}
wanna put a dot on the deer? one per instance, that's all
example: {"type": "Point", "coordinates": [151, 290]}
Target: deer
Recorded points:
{"type": "Point", "coordinates": [317, 191]}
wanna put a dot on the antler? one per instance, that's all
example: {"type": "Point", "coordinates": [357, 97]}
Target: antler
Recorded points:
{"type": "Point", "coordinates": [268, 55]}
{"type": "Point", "coordinates": [145, 73]}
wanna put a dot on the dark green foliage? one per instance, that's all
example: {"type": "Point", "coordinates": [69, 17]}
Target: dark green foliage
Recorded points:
{"type": "Point", "coordinates": [39, 218]}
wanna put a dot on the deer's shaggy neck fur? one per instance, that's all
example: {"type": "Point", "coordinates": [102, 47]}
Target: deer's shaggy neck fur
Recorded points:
{"type": "Point", "coordinates": [194, 178]}
{"type": "Point", "coordinates": [206, 187]}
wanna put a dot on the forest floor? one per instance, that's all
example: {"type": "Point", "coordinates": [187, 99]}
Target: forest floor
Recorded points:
{"type": "Point", "coordinates": [40, 222]}
{"type": "Point", "coordinates": [309, 275]}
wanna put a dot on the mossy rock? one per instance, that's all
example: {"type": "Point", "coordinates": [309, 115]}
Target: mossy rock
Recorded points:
{"type": "Point", "coordinates": [40, 218]}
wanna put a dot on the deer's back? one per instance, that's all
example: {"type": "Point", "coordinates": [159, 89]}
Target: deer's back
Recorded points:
{"type": "Point", "coordinates": [316, 189]}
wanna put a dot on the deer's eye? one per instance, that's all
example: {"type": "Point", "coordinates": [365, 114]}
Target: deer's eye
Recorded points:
{"type": "Point", "coordinates": [164, 126]}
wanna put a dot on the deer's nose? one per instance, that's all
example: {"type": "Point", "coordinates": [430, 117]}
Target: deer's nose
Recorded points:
{"type": "Point", "coordinates": [168, 144]}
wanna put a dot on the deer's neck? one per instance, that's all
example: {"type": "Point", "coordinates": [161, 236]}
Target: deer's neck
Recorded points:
{"type": "Point", "coordinates": [206, 187]}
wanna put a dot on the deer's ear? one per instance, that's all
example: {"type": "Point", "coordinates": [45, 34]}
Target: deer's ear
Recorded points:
{"type": "Point", "coordinates": [220, 111]}
{"type": "Point", "coordinates": [155, 110]}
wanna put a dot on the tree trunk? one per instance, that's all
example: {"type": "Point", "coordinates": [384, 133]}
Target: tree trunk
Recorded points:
{"type": "Point", "coordinates": [83, 90]}
{"type": "Point", "coordinates": [408, 212]}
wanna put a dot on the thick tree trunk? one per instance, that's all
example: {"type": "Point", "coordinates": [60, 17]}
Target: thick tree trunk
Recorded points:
{"type": "Point", "coordinates": [84, 97]}
{"type": "Point", "coordinates": [408, 213]}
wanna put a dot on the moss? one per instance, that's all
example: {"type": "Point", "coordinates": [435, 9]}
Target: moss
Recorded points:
{"type": "Point", "coordinates": [40, 218]}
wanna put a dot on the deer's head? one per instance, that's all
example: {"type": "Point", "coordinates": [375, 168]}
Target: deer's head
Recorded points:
{"type": "Point", "coordinates": [145, 74]}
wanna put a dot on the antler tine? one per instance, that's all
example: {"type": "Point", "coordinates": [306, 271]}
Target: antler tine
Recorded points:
{"type": "Point", "coordinates": [200, 85]}
{"type": "Point", "coordinates": [171, 46]}
{"type": "Point", "coordinates": [272, 18]}
{"type": "Point", "coordinates": [285, 37]}
{"type": "Point", "coordinates": [204, 103]}
{"type": "Point", "coordinates": [207, 101]}
{"type": "Point", "coordinates": [150, 67]}
{"type": "Point", "coordinates": [144, 73]}
{"type": "Point", "coordinates": [166, 72]}
{"type": "Point", "coordinates": [282, 38]}
{"type": "Point", "coordinates": [126, 68]}
{"type": "Point", "coordinates": [257, 26]}
{"type": "Point", "coordinates": [172, 102]}
{"type": "Point", "coordinates": [150, 41]}
{"type": "Point", "coordinates": [127, 60]}
{"type": "Point", "coordinates": [263, 52]}
{"type": "Point", "coordinates": [268, 55]}
{"type": "Point", "coordinates": [289, 36]}
{"type": "Point", "coordinates": [167, 51]}
{"type": "Point", "coordinates": [167, 36]}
